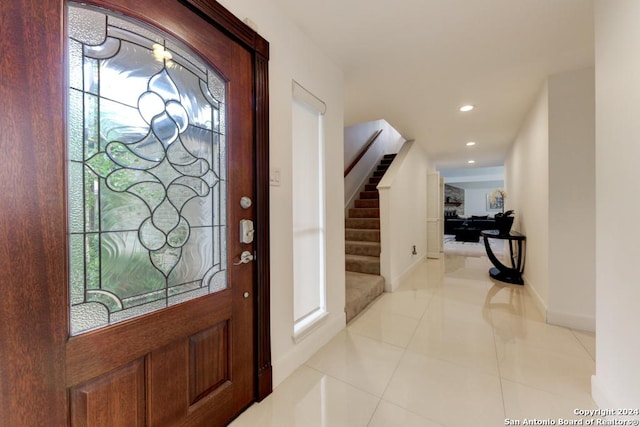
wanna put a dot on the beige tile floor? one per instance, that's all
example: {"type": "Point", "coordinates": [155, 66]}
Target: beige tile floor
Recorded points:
{"type": "Point", "coordinates": [450, 347]}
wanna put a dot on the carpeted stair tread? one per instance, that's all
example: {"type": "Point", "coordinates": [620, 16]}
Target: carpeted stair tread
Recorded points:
{"type": "Point", "coordinates": [361, 290]}
{"type": "Point", "coordinates": [369, 195]}
{"type": "Point", "coordinates": [356, 247]}
{"type": "Point", "coordinates": [362, 245]}
{"type": "Point", "coordinates": [362, 264]}
{"type": "Point", "coordinates": [364, 213]}
{"type": "Point", "coordinates": [367, 203]}
{"type": "Point", "coordinates": [363, 223]}
{"type": "Point", "coordinates": [363, 235]}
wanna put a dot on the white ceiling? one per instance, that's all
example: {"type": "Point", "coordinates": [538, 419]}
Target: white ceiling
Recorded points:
{"type": "Point", "coordinates": [415, 62]}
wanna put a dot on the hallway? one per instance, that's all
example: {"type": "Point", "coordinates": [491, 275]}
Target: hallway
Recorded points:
{"type": "Point", "coordinates": [449, 348]}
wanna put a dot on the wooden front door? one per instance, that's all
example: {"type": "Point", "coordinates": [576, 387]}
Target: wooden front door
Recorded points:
{"type": "Point", "coordinates": [131, 132]}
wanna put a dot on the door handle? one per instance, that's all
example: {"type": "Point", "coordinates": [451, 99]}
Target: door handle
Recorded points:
{"type": "Point", "coordinates": [245, 258]}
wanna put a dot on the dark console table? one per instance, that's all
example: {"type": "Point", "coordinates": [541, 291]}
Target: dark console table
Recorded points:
{"type": "Point", "coordinates": [502, 272]}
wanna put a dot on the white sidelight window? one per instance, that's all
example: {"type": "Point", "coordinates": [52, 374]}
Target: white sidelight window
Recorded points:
{"type": "Point", "coordinates": [309, 279]}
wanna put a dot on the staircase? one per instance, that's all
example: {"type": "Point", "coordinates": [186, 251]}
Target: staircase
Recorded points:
{"type": "Point", "coordinates": [362, 245]}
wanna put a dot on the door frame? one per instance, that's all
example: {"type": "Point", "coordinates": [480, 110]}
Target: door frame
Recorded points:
{"type": "Point", "coordinates": [33, 229]}
{"type": "Point", "coordinates": [222, 19]}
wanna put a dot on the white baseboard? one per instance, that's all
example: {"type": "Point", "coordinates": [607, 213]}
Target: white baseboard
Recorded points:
{"type": "Point", "coordinates": [606, 399]}
{"type": "Point", "coordinates": [571, 320]}
{"type": "Point", "coordinates": [600, 395]}
{"type": "Point", "coordinates": [559, 318]}
{"type": "Point", "coordinates": [393, 284]}
{"type": "Point", "coordinates": [301, 352]}
{"type": "Point", "coordinates": [535, 296]}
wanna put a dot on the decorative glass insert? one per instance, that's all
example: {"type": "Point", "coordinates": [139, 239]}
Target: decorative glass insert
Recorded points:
{"type": "Point", "coordinates": [146, 171]}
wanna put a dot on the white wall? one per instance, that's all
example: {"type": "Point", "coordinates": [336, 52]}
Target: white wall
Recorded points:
{"type": "Point", "coordinates": [550, 178]}
{"type": "Point", "coordinates": [572, 216]}
{"type": "Point", "coordinates": [455, 176]}
{"type": "Point", "coordinates": [475, 201]}
{"type": "Point", "coordinates": [476, 183]}
{"type": "Point", "coordinates": [617, 380]}
{"type": "Point", "coordinates": [355, 138]}
{"type": "Point", "coordinates": [403, 214]}
{"type": "Point", "coordinates": [294, 57]}
{"type": "Point", "coordinates": [527, 186]}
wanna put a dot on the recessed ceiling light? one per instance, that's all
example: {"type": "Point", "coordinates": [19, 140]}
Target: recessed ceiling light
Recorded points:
{"type": "Point", "coordinates": [467, 108]}
{"type": "Point", "coordinates": [470, 143]}
{"type": "Point", "coordinates": [471, 162]}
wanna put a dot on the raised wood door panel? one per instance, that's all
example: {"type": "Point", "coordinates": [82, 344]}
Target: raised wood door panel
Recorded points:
{"type": "Point", "coordinates": [115, 399]}
{"type": "Point", "coordinates": [208, 361]}
{"type": "Point", "coordinates": [195, 363]}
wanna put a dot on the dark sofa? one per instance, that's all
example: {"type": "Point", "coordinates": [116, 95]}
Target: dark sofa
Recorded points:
{"type": "Point", "coordinates": [468, 229]}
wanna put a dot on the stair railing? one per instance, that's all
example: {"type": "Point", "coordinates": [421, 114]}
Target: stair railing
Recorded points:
{"type": "Point", "coordinates": [362, 152]}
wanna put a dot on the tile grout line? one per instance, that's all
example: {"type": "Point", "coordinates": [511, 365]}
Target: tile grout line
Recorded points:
{"type": "Point", "coordinates": [404, 352]}
{"type": "Point", "coordinates": [582, 344]}
{"type": "Point", "coordinates": [373, 414]}
{"type": "Point", "coordinates": [495, 348]}
{"type": "Point", "coordinates": [343, 382]}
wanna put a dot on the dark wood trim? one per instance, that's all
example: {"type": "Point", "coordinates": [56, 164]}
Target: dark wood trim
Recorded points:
{"type": "Point", "coordinates": [263, 347]}
{"type": "Point", "coordinates": [224, 20]}
{"type": "Point", "coordinates": [32, 215]}
{"type": "Point", "coordinates": [362, 152]}
{"type": "Point", "coordinates": [220, 17]}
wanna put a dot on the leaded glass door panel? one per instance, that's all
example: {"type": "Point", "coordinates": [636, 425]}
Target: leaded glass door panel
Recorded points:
{"type": "Point", "coordinates": [159, 137]}
{"type": "Point", "coordinates": [147, 172]}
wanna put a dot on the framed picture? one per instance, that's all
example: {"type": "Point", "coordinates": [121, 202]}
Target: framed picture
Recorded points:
{"type": "Point", "coordinates": [494, 203]}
